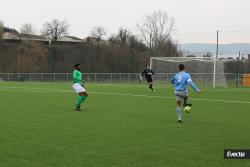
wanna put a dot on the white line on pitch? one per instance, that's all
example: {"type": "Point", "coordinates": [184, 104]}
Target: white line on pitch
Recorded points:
{"type": "Point", "coordinates": [140, 86]}
{"type": "Point", "coordinates": [122, 94]}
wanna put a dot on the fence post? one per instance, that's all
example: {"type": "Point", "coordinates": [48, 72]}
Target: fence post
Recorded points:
{"type": "Point", "coordinates": [30, 76]}
{"type": "Point", "coordinates": [95, 77]}
{"type": "Point", "coordinates": [54, 76]}
{"type": "Point", "coordinates": [204, 85]}
{"type": "Point", "coordinates": [111, 77]}
{"type": "Point", "coordinates": [120, 77]}
{"type": "Point", "coordinates": [41, 77]}
{"type": "Point", "coordinates": [67, 77]}
{"type": "Point", "coordinates": [167, 79]}
{"type": "Point", "coordinates": [8, 77]}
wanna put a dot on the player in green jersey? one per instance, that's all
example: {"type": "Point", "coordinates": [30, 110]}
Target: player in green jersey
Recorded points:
{"type": "Point", "coordinates": [78, 86]}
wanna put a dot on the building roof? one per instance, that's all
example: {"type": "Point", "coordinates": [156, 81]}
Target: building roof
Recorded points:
{"type": "Point", "coordinates": [67, 38]}
{"type": "Point", "coordinates": [72, 37]}
{"type": "Point", "coordinates": [19, 36]}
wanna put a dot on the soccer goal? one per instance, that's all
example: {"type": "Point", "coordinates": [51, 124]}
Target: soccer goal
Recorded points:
{"type": "Point", "coordinates": [207, 71]}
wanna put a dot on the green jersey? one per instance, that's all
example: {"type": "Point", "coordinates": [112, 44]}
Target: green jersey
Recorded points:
{"type": "Point", "coordinates": [77, 77]}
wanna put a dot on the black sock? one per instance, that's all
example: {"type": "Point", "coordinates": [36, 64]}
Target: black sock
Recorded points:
{"type": "Point", "coordinates": [151, 87]}
{"type": "Point", "coordinates": [185, 101]}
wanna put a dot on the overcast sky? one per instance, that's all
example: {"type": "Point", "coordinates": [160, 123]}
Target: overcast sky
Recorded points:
{"type": "Point", "coordinates": [196, 20]}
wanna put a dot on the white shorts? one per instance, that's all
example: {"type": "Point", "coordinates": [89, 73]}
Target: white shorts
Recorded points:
{"type": "Point", "coordinates": [78, 88]}
{"type": "Point", "coordinates": [180, 95]}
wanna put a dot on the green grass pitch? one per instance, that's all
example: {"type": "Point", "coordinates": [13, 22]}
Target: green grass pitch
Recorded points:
{"type": "Point", "coordinates": [122, 125]}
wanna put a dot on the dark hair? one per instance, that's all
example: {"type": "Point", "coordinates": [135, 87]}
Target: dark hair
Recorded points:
{"type": "Point", "coordinates": [181, 67]}
{"type": "Point", "coordinates": [77, 65]}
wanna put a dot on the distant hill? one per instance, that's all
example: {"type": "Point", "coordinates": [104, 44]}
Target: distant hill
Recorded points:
{"type": "Point", "coordinates": [225, 49]}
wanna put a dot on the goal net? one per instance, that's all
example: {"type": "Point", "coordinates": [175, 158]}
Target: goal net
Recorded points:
{"type": "Point", "coordinates": [206, 71]}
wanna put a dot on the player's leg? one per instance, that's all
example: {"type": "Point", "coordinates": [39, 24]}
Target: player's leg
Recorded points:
{"type": "Point", "coordinates": [179, 99]}
{"type": "Point", "coordinates": [150, 83]}
{"type": "Point", "coordinates": [185, 100]}
{"type": "Point", "coordinates": [82, 95]}
{"type": "Point", "coordinates": [150, 86]}
{"type": "Point", "coordinates": [178, 110]}
{"type": "Point", "coordinates": [185, 103]}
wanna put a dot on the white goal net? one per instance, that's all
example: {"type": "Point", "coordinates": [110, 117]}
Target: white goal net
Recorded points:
{"type": "Point", "coordinates": [207, 71]}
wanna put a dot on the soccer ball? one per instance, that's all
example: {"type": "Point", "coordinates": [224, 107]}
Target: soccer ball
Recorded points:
{"type": "Point", "coordinates": [187, 109]}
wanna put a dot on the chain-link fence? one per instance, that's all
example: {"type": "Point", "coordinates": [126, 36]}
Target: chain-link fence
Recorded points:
{"type": "Point", "coordinates": [202, 79]}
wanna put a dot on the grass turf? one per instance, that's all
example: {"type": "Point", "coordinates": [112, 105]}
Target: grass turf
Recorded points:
{"type": "Point", "coordinates": [121, 126]}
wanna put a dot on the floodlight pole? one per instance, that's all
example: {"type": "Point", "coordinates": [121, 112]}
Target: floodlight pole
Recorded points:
{"type": "Point", "coordinates": [215, 59]}
{"type": "Point", "coordinates": [151, 61]}
{"type": "Point", "coordinates": [150, 45]}
{"type": "Point", "coordinates": [217, 46]}
{"type": "Point", "coordinates": [238, 71]}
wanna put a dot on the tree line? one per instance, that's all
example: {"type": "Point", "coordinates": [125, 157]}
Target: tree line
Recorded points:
{"type": "Point", "coordinates": [122, 51]}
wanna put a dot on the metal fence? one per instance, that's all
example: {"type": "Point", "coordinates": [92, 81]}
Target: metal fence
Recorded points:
{"type": "Point", "coordinates": [203, 79]}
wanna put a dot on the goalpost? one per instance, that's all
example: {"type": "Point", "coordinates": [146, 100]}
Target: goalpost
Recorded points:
{"type": "Point", "coordinates": [204, 70]}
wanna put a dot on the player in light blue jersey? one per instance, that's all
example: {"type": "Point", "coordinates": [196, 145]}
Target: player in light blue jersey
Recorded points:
{"type": "Point", "coordinates": [180, 82]}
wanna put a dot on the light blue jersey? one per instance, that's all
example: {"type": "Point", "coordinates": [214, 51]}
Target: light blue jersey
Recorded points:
{"type": "Point", "coordinates": [181, 80]}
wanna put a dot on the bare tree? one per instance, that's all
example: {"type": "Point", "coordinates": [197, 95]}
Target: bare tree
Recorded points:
{"type": "Point", "coordinates": [156, 28]}
{"type": "Point", "coordinates": [55, 29]}
{"type": "Point", "coordinates": [27, 29]}
{"type": "Point", "coordinates": [98, 32]}
{"type": "Point", "coordinates": [123, 35]}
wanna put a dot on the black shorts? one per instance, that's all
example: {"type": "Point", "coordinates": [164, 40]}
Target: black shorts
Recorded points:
{"type": "Point", "coordinates": [149, 79]}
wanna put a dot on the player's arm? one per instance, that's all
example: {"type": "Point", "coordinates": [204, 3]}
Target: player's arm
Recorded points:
{"type": "Point", "coordinates": [173, 80]}
{"type": "Point", "coordinates": [153, 74]}
{"type": "Point", "coordinates": [143, 73]}
{"type": "Point", "coordinates": [191, 83]}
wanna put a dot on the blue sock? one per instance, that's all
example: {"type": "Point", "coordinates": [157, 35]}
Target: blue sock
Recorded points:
{"type": "Point", "coordinates": [178, 110]}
